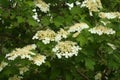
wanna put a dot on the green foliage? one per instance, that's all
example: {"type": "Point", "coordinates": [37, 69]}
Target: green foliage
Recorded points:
{"type": "Point", "coordinates": [17, 27]}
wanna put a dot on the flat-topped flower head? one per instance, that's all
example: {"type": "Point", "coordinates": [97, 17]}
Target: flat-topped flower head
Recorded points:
{"type": "Point", "coordinates": [45, 35]}
{"type": "Point", "coordinates": [101, 30]}
{"type": "Point", "coordinates": [39, 59]}
{"type": "Point", "coordinates": [30, 47]}
{"type": "Point", "coordinates": [66, 49]}
{"type": "Point", "coordinates": [109, 15]}
{"type": "Point", "coordinates": [42, 5]}
{"type": "Point", "coordinates": [92, 5]}
{"type": "Point", "coordinates": [3, 65]}
{"type": "Point", "coordinates": [78, 27]}
{"type": "Point", "coordinates": [61, 34]}
{"type": "Point", "coordinates": [23, 53]}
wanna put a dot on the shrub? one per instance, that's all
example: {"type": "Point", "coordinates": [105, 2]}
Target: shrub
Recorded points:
{"type": "Point", "coordinates": [59, 40]}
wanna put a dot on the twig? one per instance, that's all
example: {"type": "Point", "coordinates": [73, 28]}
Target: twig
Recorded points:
{"type": "Point", "coordinates": [83, 75]}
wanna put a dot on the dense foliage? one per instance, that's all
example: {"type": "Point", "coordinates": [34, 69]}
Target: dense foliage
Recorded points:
{"type": "Point", "coordinates": [59, 40]}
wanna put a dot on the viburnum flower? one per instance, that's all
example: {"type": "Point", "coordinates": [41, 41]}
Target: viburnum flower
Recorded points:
{"type": "Point", "coordinates": [45, 35]}
{"type": "Point", "coordinates": [109, 15]}
{"type": "Point", "coordinates": [23, 53]}
{"type": "Point", "coordinates": [92, 5]}
{"type": "Point", "coordinates": [35, 16]}
{"type": "Point", "coordinates": [66, 49]}
{"type": "Point", "coordinates": [77, 28]}
{"type": "Point", "coordinates": [70, 5]}
{"type": "Point", "coordinates": [42, 5]}
{"type": "Point", "coordinates": [101, 30]}
{"type": "Point", "coordinates": [61, 34]}
{"type": "Point", "coordinates": [39, 59]}
{"type": "Point", "coordinates": [3, 65]}
{"type": "Point", "coordinates": [77, 3]}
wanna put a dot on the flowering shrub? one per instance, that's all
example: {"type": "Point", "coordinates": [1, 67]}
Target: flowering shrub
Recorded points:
{"type": "Point", "coordinates": [59, 40]}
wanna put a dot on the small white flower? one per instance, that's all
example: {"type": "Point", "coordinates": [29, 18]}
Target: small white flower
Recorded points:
{"type": "Point", "coordinates": [92, 5]}
{"type": "Point", "coordinates": [3, 65]}
{"type": "Point", "coordinates": [34, 10]}
{"type": "Point", "coordinates": [58, 38]}
{"type": "Point", "coordinates": [46, 41]}
{"type": "Point", "coordinates": [23, 53]}
{"type": "Point", "coordinates": [61, 34]}
{"type": "Point", "coordinates": [71, 5]}
{"type": "Point", "coordinates": [39, 59]}
{"type": "Point", "coordinates": [35, 17]}
{"type": "Point", "coordinates": [78, 27]}
{"type": "Point", "coordinates": [109, 15]}
{"type": "Point", "coordinates": [66, 49]}
{"type": "Point", "coordinates": [112, 46]}
{"type": "Point", "coordinates": [42, 5]}
{"type": "Point", "coordinates": [100, 30]}
{"type": "Point", "coordinates": [45, 35]}
{"type": "Point", "coordinates": [77, 3]}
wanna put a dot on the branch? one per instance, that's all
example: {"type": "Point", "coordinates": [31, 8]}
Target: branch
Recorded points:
{"type": "Point", "coordinates": [83, 75]}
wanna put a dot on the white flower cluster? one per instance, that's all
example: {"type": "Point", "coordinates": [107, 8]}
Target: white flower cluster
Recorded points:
{"type": "Point", "coordinates": [23, 53]}
{"type": "Point", "coordinates": [35, 16]}
{"type": "Point", "coordinates": [26, 52]}
{"type": "Point", "coordinates": [101, 30]}
{"type": "Point", "coordinates": [109, 15]}
{"type": "Point", "coordinates": [22, 70]}
{"type": "Point", "coordinates": [15, 77]}
{"type": "Point", "coordinates": [78, 27]}
{"type": "Point", "coordinates": [61, 34]}
{"type": "Point", "coordinates": [66, 49]}
{"type": "Point", "coordinates": [45, 35]}
{"type": "Point", "coordinates": [71, 5]}
{"type": "Point", "coordinates": [92, 5]}
{"type": "Point", "coordinates": [3, 65]}
{"type": "Point", "coordinates": [39, 59]}
{"type": "Point", "coordinates": [42, 5]}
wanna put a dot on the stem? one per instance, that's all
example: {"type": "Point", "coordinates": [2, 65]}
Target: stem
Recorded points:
{"type": "Point", "coordinates": [82, 74]}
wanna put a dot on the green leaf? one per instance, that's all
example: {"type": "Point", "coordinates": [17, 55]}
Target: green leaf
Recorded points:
{"type": "Point", "coordinates": [47, 63]}
{"type": "Point", "coordinates": [68, 76]}
{"type": "Point", "coordinates": [54, 73]}
{"type": "Point", "coordinates": [20, 19]}
{"type": "Point", "coordinates": [68, 19]}
{"type": "Point", "coordinates": [81, 39]}
{"type": "Point", "coordinates": [113, 65]}
{"type": "Point", "coordinates": [58, 21]}
{"type": "Point", "coordinates": [75, 10]}
{"type": "Point", "coordinates": [32, 22]}
{"type": "Point", "coordinates": [89, 63]}
{"type": "Point", "coordinates": [45, 20]}
{"type": "Point", "coordinates": [4, 3]}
